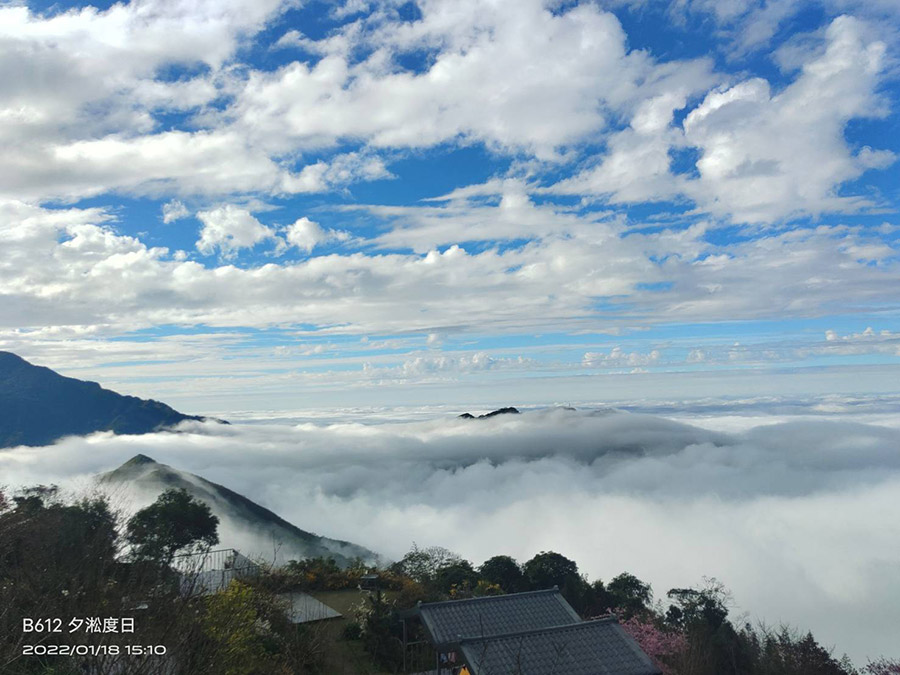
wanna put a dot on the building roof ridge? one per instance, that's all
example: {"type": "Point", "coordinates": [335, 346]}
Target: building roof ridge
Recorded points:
{"type": "Point", "coordinates": [536, 631]}
{"type": "Point", "coordinates": [505, 596]}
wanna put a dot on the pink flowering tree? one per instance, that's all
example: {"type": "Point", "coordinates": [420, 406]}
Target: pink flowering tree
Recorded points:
{"type": "Point", "coordinates": [660, 645]}
{"type": "Point", "coordinates": [882, 666]}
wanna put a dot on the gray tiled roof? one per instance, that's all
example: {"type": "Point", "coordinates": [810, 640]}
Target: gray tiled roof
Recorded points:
{"type": "Point", "coordinates": [599, 647]}
{"type": "Point", "coordinates": [304, 608]}
{"type": "Point", "coordinates": [449, 621]}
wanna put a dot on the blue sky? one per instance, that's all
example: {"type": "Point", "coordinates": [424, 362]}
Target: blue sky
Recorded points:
{"type": "Point", "coordinates": [235, 204]}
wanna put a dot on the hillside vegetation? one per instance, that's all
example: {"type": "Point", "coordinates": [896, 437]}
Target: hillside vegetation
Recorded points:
{"type": "Point", "coordinates": [69, 561]}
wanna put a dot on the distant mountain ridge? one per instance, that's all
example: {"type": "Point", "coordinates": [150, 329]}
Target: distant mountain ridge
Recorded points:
{"type": "Point", "coordinates": [244, 524]}
{"type": "Point", "coordinates": [39, 406]}
{"type": "Point", "coordinates": [502, 411]}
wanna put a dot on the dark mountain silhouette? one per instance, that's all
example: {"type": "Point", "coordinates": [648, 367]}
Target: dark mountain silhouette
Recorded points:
{"type": "Point", "coordinates": [493, 413]}
{"type": "Point", "coordinates": [244, 524]}
{"type": "Point", "coordinates": [39, 406]}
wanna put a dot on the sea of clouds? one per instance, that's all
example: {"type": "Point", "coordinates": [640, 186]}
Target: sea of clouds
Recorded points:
{"type": "Point", "coordinates": [795, 508]}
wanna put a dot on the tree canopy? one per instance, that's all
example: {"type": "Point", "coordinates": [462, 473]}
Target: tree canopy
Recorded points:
{"type": "Point", "coordinates": [174, 522]}
{"type": "Point", "coordinates": [505, 572]}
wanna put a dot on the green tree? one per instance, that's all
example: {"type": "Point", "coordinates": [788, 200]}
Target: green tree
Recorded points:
{"type": "Point", "coordinates": [708, 605]}
{"type": "Point", "coordinates": [628, 594]}
{"type": "Point", "coordinates": [504, 572]}
{"type": "Point", "coordinates": [599, 601]}
{"type": "Point", "coordinates": [786, 652]}
{"type": "Point", "coordinates": [44, 544]}
{"type": "Point", "coordinates": [714, 647]}
{"type": "Point", "coordinates": [457, 578]}
{"type": "Point", "coordinates": [239, 628]}
{"type": "Point", "coordinates": [422, 564]}
{"type": "Point", "coordinates": [175, 521]}
{"type": "Point", "coordinates": [549, 568]}
{"type": "Point", "coordinates": [57, 559]}
{"type": "Point", "coordinates": [379, 631]}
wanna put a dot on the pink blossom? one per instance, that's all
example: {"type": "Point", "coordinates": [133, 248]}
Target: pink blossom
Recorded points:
{"type": "Point", "coordinates": [658, 644]}
{"type": "Point", "coordinates": [882, 666]}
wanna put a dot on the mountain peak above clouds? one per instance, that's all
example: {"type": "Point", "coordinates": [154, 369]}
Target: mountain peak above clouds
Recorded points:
{"type": "Point", "coordinates": [501, 411]}
{"type": "Point", "coordinates": [243, 524]}
{"type": "Point", "coordinates": [39, 406]}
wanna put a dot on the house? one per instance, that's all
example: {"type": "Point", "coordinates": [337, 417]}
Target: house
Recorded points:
{"type": "Point", "coordinates": [209, 572]}
{"type": "Point", "coordinates": [534, 633]}
{"type": "Point", "coordinates": [599, 647]}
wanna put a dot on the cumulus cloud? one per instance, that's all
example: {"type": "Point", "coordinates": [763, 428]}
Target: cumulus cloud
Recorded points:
{"type": "Point", "coordinates": [152, 98]}
{"type": "Point", "coordinates": [696, 356]}
{"type": "Point", "coordinates": [768, 156]}
{"type": "Point", "coordinates": [174, 210]}
{"type": "Point", "coordinates": [462, 216]}
{"type": "Point", "coordinates": [637, 165]}
{"type": "Point", "coordinates": [316, 104]}
{"type": "Point", "coordinates": [169, 162]}
{"type": "Point", "coordinates": [447, 364]}
{"type": "Point", "coordinates": [84, 88]}
{"type": "Point", "coordinates": [868, 158]}
{"type": "Point", "coordinates": [69, 267]}
{"type": "Point", "coordinates": [228, 229]}
{"type": "Point", "coordinates": [339, 172]}
{"type": "Point", "coordinates": [866, 342]}
{"type": "Point", "coordinates": [86, 120]}
{"type": "Point", "coordinates": [306, 234]}
{"type": "Point", "coordinates": [798, 518]}
{"type": "Point", "coordinates": [761, 156]}
{"type": "Point", "coordinates": [90, 116]}
{"type": "Point", "coordinates": [618, 358]}
{"type": "Point", "coordinates": [751, 25]}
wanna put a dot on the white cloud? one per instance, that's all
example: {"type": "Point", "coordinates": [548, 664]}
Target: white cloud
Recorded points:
{"type": "Point", "coordinates": [636, 166]}
{"type": "Point", "coordinates": [69, 267]}
{"type": "Point", "coordinates": [875, 159]}
{"type": "Point", "coordinates": [799, 519]}
{"type": "Point", "coordinates": [341, 171]}
{"type": "Point", "coordinates": [748, 26]}
{"type": "Point", "coordinates": [766, 156]}
{"type": "Point", "coordinates": [170, 162]}
{"type": "Point", "coordinates": [466, 95]}
{"type": "Point", "coordinates": [228, 229]}
{"type": "Point", "coordinates": [83, 122]}
{"type": "Point", "coordinates": [349, 8]}
{"type": "Point", "coordinates": [174, 210]}
{"type": "Point", "coordinates": [866, 342]}
{"type": "Point", "coordinates": [306, 234]}
{"type": "Point", "coordinates": [763, 156]}
{"type": "Point", "coordinates": [482, 85]}
{"type": "Point", "coordinates": [792, 351]}
{"type": "Point", "coordinates": [83, 74]}
{"type": "Point", "coordinates": [515, 216]}
{"type": "Point", "coordinates": [618, 358]}
{"type": "Point", "coordinates": [446, 365]}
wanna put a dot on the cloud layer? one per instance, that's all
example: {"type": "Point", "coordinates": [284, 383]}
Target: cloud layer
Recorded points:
{"type": "Point", "coordinates": [796, 517]}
